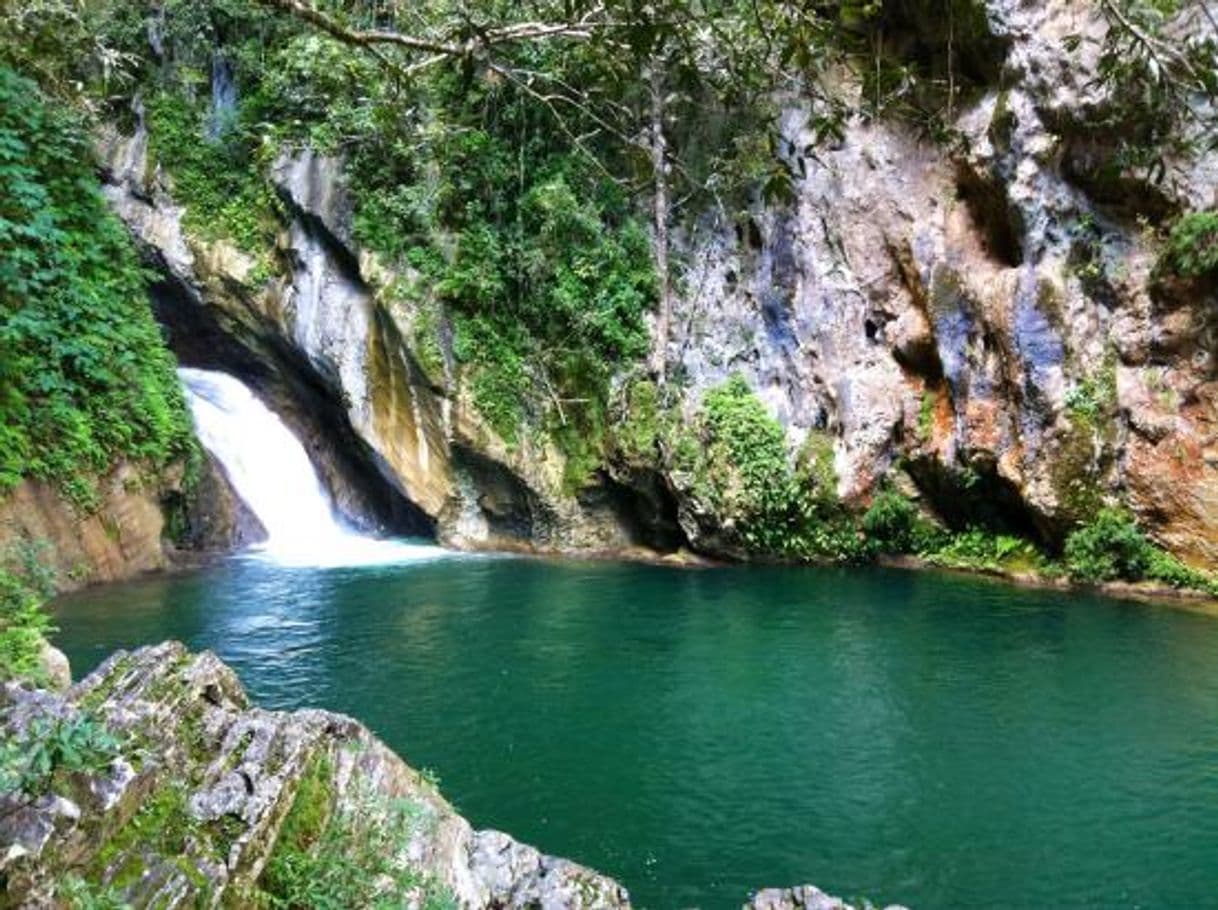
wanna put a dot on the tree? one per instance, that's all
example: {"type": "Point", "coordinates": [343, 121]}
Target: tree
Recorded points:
{"type": "Point", "coordinates": [714, 65]}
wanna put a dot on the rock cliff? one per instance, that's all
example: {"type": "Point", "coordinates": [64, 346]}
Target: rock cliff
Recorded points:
{"type": "Point", "coordinates": [982, 316]}
{"type": "Point", "coordinates": [324, 342]}
{"type": "Point", "coordinates": [975, 321]}
{"type": "Point", "coordinates": [141, 523]}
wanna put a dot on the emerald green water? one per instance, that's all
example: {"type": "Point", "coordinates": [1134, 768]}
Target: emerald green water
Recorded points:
{"type": "Point", "coordinates": [939, 741]}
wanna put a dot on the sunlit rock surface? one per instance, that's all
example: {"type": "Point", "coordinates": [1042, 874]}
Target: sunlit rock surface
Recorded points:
{"type": "Point", "coordinates": [982, 316]}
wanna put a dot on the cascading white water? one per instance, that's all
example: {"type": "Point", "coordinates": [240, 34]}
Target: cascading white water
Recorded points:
{"type": "Point", "coordinates": [270, 471]}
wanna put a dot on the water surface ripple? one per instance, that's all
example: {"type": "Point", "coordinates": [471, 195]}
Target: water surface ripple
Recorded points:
{"type": "Point", "coordinates": [941, 741]}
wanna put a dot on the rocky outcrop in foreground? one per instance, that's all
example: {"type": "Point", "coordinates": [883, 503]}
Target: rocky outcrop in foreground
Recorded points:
{"type": "Point", "coordinates": [179, 793]}
{"type": "Point", "coordinates": [154, 783]}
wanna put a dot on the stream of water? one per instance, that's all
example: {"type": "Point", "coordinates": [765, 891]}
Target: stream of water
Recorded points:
{"type": "Point", "coordinates": [271, 472]}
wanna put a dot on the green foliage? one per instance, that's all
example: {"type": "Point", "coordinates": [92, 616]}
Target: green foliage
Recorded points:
{"type": "Point", "coordinates": [1095, 395]}
{"type": "Point", "coordinates": [740, 463]}
{"type": "Point", "coordinates": [926, 417]}
{"type": "Point", "coordinates": [164, 824]}
{"type": "Point", "coordinates": [983, 550]}
{"type": "Point", "coordinates": [25, 583]}
{"type": "Point", "coordinates": [1108, 548]}
{"type": "Point", "coordinates": [892, 523]}
{"type": "Point", "coordinates": [642, 424]}
{"type": "Point", "coordinates": [1162, 566]}
{"type": "Point", "coordinates": [85, 378]}
{"type": "Point", "coordinates": [78, 894]}
{"type": "Point", "coordinates": [1112, 547]}
{"type": "Point", "coordinates": [217, 179]}
{"type": "Point", "coordinates": [331, 857]}
{"type": "Point", "coordinates": [543, 271]}
{"type": "Point", "coordinates": [53, 746]}
{"type": "Point", "coordinates": [1191, 250]}
{"type": "Point", "coordinates": [741, 433]}
{"type": "Point", "coordinates": [66, 44]}
{"type": "Point", "coordinates": [23, 628]}
{"type": "Point", "coordinates": [1157, 62]}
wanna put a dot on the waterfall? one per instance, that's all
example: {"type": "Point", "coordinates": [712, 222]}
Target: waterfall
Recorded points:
{"type": "Point", "coordinates": [269, 469]}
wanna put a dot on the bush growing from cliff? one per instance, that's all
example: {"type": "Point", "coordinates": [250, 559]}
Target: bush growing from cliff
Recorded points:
{"type": "Point", "coordinates": [741, 463]}
{"type": "Point", "coordinates": [892, 523]}
{"type": "Point", "coordinates": [51, 746]}
{"type": "Point", "coordinates": [25, 584]}
{"type": "Point", "coordinates": [23, 628]}
{"type": "Point", "coordinates": [336, 857]}
{"type": "Point", "coordinates": [85, 378]}
{"type": "Point", "coordinates": [740, 433]}
{"type": "Point", "coordinates": [980, 549]}
{"type": "Point", "coordinates": [1111, 547]}
{"type": "Point", "coordinates": [1191, 251]}
{"type": "Point", "coordinates": [217, 179]}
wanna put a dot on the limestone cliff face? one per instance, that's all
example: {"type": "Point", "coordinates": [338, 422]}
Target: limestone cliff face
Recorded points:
{"type": "Point", "coordinates": [121, 539]}
{"type": "Point", "coordinates": [207, 794]}
{"type": "Point", "coordinates": [975, 322]}
{"type": "Point", "coordinates": [982, 316]}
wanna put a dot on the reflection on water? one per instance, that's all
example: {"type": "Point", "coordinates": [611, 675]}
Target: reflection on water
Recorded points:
{"type": "Point", "coordinates": [940, 741]}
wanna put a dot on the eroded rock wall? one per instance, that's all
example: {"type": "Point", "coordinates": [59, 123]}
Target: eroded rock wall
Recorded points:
{"type": "Point", "coordinates": [980, 315]}
{"type": "Point", "coordinates": [331, 347]}
{"type": "Point", "coordinates": [122, 538]}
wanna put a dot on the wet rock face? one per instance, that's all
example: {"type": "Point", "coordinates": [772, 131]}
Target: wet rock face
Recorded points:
{"type": "Point", "coordinates": [216, 518]}
{"type": "Point", "coordinates": [299, 340]}
{"type": "Point", "coordinates": [207, 798]}
{"type": "Point", "coordinates": [335, 353]}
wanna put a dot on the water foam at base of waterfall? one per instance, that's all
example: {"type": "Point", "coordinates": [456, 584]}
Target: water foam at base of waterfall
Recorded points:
{"type": "Point", "coordinates": [269, 469]}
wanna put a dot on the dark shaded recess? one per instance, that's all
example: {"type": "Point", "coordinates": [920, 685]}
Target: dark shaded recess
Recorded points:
{"type": "Point", "coordinates": [922, 359]}
{"type": "Point", "coordinates": [748, 232]}
{"type": "Point", "coordinates": [211, 517]}
{"type": "Point", "coordinates": [1090, 163]}
{"type": "Point", "coordinates": [343, 254]}
{"type": "Point", "coordinates": [510, 507]}
{"type": "Point", "coordinates": [779, 293]}
{"type": "Point", "coordinates": [642, 503]}
{"type": "Point", "coordinates": [986, 501]}
{"type": "Point", "coordinates": [206, 337]}
{"type": "Point", "coordinates": [920, 33]}
{"type": "Point", "coordinates": [920, 355]}
{"type": "Point", "coordinates": [999, 223]}
{"type": "Point", "coordinates": [1086, 260]}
